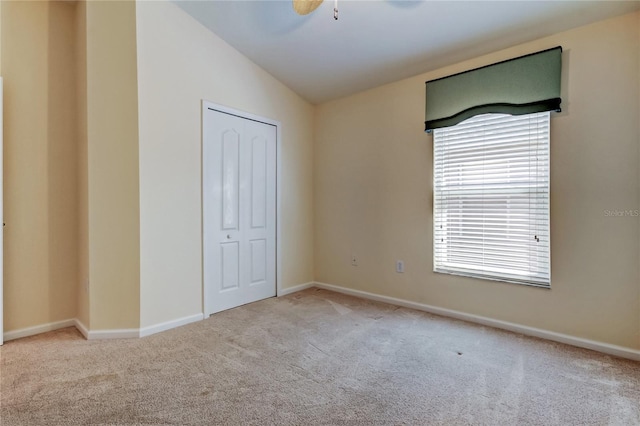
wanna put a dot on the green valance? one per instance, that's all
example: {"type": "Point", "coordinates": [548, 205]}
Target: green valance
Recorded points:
{"type": "Point", "coordinates": [523, 85]}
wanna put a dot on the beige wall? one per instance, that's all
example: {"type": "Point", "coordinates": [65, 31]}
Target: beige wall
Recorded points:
{"type": "Point", "coordinates": [373, 194]}
{"type": "Point", "coordinates": [82, 289]}
{"type": "Point", "coordinates": [179, 64]}
{"type": "Point", "coordinates": [40, 163]}
{"type": "Point", "coordinates": [112, 165]}
{"type": "Point", "coordinates": [0, 39]}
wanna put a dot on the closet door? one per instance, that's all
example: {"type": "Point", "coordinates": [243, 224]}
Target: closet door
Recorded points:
{"type": "Point", "coordinates": [239, 210]}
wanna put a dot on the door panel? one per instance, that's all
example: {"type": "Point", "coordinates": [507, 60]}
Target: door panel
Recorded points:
{"type": "Point", "coordinates": [258, 261]}
{"type": "Point", "coordinates": [239, 210]}
{"type": "Point", "coordinates": [258, 182]}
{"type": "Point", "coordinates": [230, 266]}
{"type": "Point", "coordinates": [230, 165]}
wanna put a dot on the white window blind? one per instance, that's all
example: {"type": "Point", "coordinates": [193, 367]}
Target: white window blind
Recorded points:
{"type": "Point", "coordinates": [491, 198]}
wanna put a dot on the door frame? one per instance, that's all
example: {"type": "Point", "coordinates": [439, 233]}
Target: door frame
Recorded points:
{"type": "Point", "coordinates": [206, 105]}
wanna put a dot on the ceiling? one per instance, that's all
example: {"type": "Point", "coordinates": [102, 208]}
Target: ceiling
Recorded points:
{"type": "Point", "coordinates": [379, 41]}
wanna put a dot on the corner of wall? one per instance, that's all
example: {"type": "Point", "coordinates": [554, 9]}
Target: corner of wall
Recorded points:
{"type": "Point", "coordinates": [638, 169]}
{"type": "Point", "coordinates": [82, 291]}
{"type": "Point", "coordinates": [113, 166]}
{"type": "Point", "coordinates": [39, 181]}
{"type": "Point", "coordinates": [1, 3]}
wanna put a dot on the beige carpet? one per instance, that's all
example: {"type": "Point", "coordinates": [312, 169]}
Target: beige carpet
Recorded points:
{"type": "Point", "coordinates": [315, 357]}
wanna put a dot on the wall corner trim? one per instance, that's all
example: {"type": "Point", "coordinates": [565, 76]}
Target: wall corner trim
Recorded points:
{"type": "Point", "coordinates": [38, 329]}
{"type": "Point", "coordinates": [125, 333]}
{"type": "Point", "coordinates": [295, 288]}
{"type": "Point", "coordinates": [81, 328]}
{"type": "Point", "coordinates": [122, 333]}
{"type": "Point", "coordinates": [163, 326]}
{"type": "Point", "coordinates": [606, 348]}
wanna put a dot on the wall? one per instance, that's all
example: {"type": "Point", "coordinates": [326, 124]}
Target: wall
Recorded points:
{"type": "Point", "coordinates": [373, 194]}
{"type": "Point", "coordinates": [0, 39]}
{"type": "Point", "coordinates": [179, 64]}
{"type": "Point", "coordinates": [82, 289]}
{"type": "Point", "coordinates": [1, 139]}
{"type": "Point", "coordinates": [72, 176]}
{"type": "Point", "coordinates": [112, 165]}
{"type": "Point", "coordinates": [40, 163]}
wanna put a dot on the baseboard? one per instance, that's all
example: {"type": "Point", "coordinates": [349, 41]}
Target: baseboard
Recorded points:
{"type": "Point", "coordinates": [127, 333]}
{"type": "Point", "coordinates": [164, 326]}
{"type": "Point", "coordinates": [81, 328]}
{"type": "Point", "coordinates": [606, 348]}
{"type": "Point", "coordinates": [295, 289]}
{"type": "Point", "coordinates": [38, 329]}
{"type": "Point", "coordinates": [122, 333]}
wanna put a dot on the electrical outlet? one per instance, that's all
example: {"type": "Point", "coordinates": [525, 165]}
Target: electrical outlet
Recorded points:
{"type": "Point", "coordinates": [400, 266]}
{"type": "Point", "coordinates": [354, 260]}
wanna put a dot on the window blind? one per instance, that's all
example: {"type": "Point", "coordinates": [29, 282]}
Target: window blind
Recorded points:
{"type": "Point", "coordinates": [491, 198]}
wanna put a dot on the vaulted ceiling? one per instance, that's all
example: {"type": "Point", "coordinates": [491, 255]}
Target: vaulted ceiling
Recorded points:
{"type": "Point", "coordinates": [379, 41]}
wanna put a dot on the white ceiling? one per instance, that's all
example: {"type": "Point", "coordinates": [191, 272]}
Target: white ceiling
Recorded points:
{"type": "Point", "coordinates": [379, 41]}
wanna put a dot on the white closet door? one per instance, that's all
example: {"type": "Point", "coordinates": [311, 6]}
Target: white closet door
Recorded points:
{"type": "Point", "coordinates": [239, 208]}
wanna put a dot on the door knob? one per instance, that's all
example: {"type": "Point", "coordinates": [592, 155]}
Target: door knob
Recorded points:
{"type": "Point", "coordinates": [228, 236]}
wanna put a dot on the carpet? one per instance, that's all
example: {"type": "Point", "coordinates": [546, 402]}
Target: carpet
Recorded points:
{"type": "Point", "coordinates": [315, 358]}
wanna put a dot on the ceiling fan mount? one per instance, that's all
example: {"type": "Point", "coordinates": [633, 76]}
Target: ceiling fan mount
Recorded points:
{"type": "Point", "coordinates": [305, 7]}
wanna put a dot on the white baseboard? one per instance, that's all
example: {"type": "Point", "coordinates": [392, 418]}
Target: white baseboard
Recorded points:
{"type": "Point", "coordinates": [295, 289]}
{"type": "Point", "coordinates": [157, 328]}
{"type": "Point", "coordinates": [42, 328]}
{"type": "Point", "coordinates": [122, 333]}
{"type": "Point", "coordinates": [127, 333]}
{"type": "Point", "coordinates": [606, 348]}
{"type": "Point", "coordinates": [81, 328]}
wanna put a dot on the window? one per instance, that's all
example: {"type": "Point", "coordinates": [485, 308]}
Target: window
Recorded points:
{"type": "Point", "coordinates": [491, 198]}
